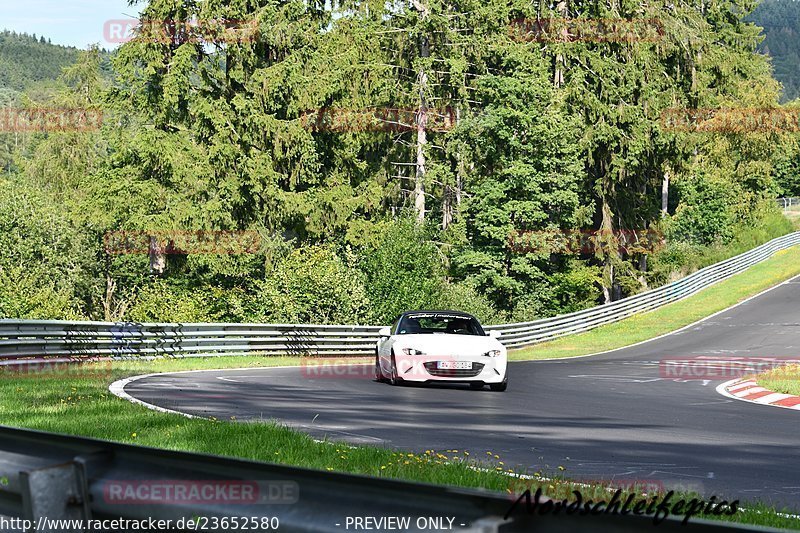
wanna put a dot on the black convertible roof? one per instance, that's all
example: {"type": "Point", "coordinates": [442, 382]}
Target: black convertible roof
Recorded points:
{"type": "Point", "coordinates": [436, 312]}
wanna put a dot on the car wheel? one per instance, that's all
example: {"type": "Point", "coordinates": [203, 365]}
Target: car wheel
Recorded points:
{"type": "Point", "coordinates": [500, 387]}
{"type": "Point", "coordinates": [476, 385]}
{"type": "Point", "coordinates": [379, 377]}
{"type": "Point", "coordinates": [393, 378]}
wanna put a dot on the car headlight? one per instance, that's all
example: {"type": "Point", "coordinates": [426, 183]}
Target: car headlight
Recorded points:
{"type": "Point", "coordinates": [412, 351]}
{"type": "Point", "coordinates": [493, 353]}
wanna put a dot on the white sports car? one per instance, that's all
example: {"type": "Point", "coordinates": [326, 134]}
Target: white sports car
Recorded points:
{"type": "Point", "coordinates": [441, 346]}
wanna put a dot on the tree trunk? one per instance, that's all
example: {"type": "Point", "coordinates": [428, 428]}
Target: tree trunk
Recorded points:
{"type": "Point", "coordinates": [460, 165]}
{"type": "Point", "coordinates": [560, 63]}
{"type": "Point", "coordinates": [608, 273]}
{"type": "Point", "coordinates": [422, 140]}
{"type": "Point", "coordinates": [422, 124]}
{"type": "Point", "coordinates": [114, 307]}
{"type": "Point", "coordinates": [665, 194]}
{"type": "Point", "coordinates": [158, 259]}
{"type": "Point", "coordinates": [609, 248]}
{"type": "Point", "coordinates": [108, 305]}
{"type": "Point", "coordinates": [452, 194]}
{"type": "Point", "coordinates": [447, 208]}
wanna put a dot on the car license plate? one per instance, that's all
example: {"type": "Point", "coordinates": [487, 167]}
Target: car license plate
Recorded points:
{"type": "Point", "coordinates": [454, 365]}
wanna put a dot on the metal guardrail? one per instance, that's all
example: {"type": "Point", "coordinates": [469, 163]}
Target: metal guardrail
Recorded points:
{"type": "Point", "coordinates": [47, 478]}
{"type": "Point", "coordinates": [527, 333]}
{"type": "Point", "coordinates": [44, 338]}
{"type": "Point", "coordinates": [787, 203]}
{"type": "Point", "coordinates": [51, 339]}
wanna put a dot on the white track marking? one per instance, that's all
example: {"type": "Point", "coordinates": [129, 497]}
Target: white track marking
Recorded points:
{"type": "Point", "coordinates": [774, 397]}
{"type": "Point", "coordinates": [118, 388]}
{"type": "Point", "coordinates": [748, 391]}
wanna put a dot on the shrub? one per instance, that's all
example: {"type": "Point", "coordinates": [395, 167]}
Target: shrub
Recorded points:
{"type": "Point", "coordinates": [311, 285]}
{"type": "Point", "coordinates": [463, 297]}
{"type": "Point", "coordinates": [706, 214]}
{"type": "Point", "coordinates": [403, 272]}
{"type": "Point", "coordinates": [165, 301]}
{"type": "Point", "coordinates": [27, 296]}
{"type": "Point", "coordinates": [48, 265]}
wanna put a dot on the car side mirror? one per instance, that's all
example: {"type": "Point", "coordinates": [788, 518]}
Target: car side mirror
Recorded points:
{"type": "Point", "coordinates": [385, 332]}
{"type": "Point", "coordinates": [494, 334]}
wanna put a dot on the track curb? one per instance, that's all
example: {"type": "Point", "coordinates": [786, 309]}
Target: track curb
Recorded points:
{"type": "Point", "coordinates": [748, 390]}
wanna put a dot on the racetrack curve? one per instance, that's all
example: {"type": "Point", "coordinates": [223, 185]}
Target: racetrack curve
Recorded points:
{"type": "Point", "coordinates": [609, 416]}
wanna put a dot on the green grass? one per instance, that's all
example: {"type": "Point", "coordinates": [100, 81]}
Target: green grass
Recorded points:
{"type": "Point", "coordinates": [746, 237]}
{"type": "Point", "coordinates": [83, 406]}
{"type": "Point", "coordinates": [782, 266]}
{"type": "Point", "coordinates": [793, 215]}
{"type": "Point", "coordinates": [785, 379]}
{"type": "Point", "coordinates": [79, 405]}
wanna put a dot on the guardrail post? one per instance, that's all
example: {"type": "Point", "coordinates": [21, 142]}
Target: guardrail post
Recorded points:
{"type": "Point", "coordinates": [54, 493]}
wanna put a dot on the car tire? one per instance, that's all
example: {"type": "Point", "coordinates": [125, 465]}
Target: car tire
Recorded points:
{"type": "Point", "coordinates": [379, 377]}
{"type": "Point", "coordinates": [394, 379]}
{"type": "Point", "coordinates": [500, 387]}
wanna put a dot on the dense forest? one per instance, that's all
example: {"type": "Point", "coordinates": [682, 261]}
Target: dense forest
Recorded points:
{"type": "Point", "coordinates": [27, 63]}
{"type": "Point", "coordinates": [781, 22]}
{"type": "Point", "coordinates": [26, 59]}
{"type": "Point", "coordinates": [389, 156]}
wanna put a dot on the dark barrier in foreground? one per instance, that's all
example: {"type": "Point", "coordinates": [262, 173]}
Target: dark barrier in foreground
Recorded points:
{"type": "Point", "coordinates": [59, 483]}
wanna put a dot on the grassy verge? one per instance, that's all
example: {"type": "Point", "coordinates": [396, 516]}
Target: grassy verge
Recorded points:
{"type": "Point", "coordinates": [771, 225]}
{"type": "Point", "coordinates": [784, 379]}
{"type": "Point", "coordinates": [81, 405]}
{"type": "Point", "coordinates": [782, 266]}
{"type": "Point", "coordinates": [793, 215]}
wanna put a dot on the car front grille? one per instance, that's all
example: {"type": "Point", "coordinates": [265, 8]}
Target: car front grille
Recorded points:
{"type": "Point", "coordinates": [477, 368]}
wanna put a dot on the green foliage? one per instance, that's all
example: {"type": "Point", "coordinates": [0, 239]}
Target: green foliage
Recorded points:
{"type": "Point", "coordinates": [306, 285]}
{"type": "Point", "coordinates": [787, 164]}
{"type": "Point", "coordinates": [404, 272]}
{"type": "Point", "coordinates": [161, 301]}
{"type": "Point", "coordinates": [25, 60]}
{"type": "Point", "coordinates": [706, 215]}
{"type": "Point", "coordinates": [312, 285]}
{"type": "Point", "coordinates": [575, 289]}
{"type": "Point", "coordinates": [9, 98]}
{"type": "Point", "coordinates": [59, 162]}
{"type": "Point", "coordinates": [464, 297]}
{"type": "Point", "coordinates": [781, 22]}
{"type": "Point", "coordinates": [546, 137]}
{"type": "Point", "coordinates": [25, 295]}
{"type": "Point", "coordinates": [47, 268]}
{"type": "Point", "coordinates": [525, 176]}
{"type": "Point", "coordinates": [681, 257]}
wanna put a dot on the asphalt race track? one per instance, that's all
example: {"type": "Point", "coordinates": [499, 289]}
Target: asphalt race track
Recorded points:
{"type": "Point", "coordinates": [608, 416]}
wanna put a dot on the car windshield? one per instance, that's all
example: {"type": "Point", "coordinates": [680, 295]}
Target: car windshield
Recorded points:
{"type": "Point", "coordinates": [439, 323]}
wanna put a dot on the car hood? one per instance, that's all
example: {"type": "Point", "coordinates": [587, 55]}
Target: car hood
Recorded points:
{"type": "Point", "coordinates": [448, 344]}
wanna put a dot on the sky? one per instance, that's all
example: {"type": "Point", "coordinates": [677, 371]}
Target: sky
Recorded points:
{"type": "Point", "coordinates": [76, 23]}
